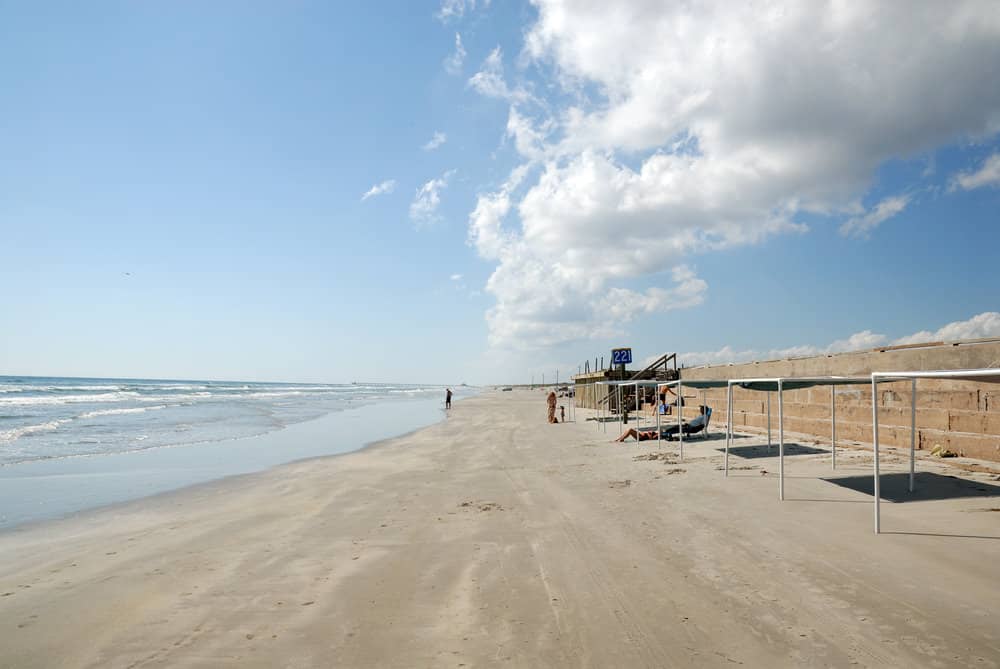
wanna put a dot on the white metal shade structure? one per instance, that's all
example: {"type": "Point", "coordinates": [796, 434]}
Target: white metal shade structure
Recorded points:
{"type": "Point", "coordinates": [985, 375]}
{"type": "Point", "coordinates": [637, 385]}
{"type": "Point", "coordinates": [621, 413]}
{"type": "Point", "coordinates": [703, 385]}
{"type": "Point", "coordinates": [599, 403]}
{"type": "Point", "coordinates": [779, 385]}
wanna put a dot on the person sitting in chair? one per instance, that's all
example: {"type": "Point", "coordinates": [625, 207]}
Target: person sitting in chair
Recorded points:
{"type": "Point", "coordinates": [667, 432]}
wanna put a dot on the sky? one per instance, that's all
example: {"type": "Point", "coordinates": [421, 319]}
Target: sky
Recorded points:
{"type": "Point", "coordinates": [485, 192]}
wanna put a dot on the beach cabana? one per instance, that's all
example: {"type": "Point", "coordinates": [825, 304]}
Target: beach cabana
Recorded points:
{"type": "Point", "coordinates": [621, 400]}
{"type": "Point", "coordinates": [617, 385]}
{"type": "Point", "coordinates": [986, 375]}
{"type": "Point", "coordinates": [703, 385]}
{"type": "Point", "coordinates": [779, 385]}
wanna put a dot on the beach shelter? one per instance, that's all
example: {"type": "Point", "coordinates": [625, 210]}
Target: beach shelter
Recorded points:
{"type": "Point", "coordinates": [779, 385]}
{"type": "Point", "coordinates": [603, 412]}
{"type": "Point", "coordinates": [986, 375]}
{"type": "Point", "coordinates": [704, 385]}
{"type": "Point", "coordinates": [618, 386]}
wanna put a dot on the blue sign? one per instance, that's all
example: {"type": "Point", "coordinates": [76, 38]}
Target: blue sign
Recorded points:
{"type": "Point", "coordinates": [621, 356]}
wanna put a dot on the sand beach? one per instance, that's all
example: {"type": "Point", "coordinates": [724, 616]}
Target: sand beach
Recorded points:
{"type": "Point", "coordinates": [495, 539]}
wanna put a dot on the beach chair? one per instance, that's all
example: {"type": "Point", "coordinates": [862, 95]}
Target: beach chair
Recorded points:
{"type": "Point", "coordinates": [700, 427]}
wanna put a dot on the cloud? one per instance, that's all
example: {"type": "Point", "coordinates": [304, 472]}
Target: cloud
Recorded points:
{"type": "Point", "coordinates": [986, 324]}
{"type": "Point", "coordinates": [455, 277]}
{"type": "Point", "coordinates": [987, 175]}
{"type": "Point", "coordinates": [653, 132]}
{"type": "Point", "coordinates": [453, 63]}
{"type": "Point", "coordinates": [423, 209]}
{"type": "Point", "coordinates": [861, 226]}
{"type": "Point", "coordinates": [456, 9]}
{"type": "Point", "coordinates": [490, 81]}
{"type": "Point", "coordinates": [434, 142]}
{"type": "Point", "coordinates": [383, 188]}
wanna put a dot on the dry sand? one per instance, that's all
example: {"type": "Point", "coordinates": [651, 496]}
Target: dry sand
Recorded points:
{"type": "Point", "coordinates": [496, 539]}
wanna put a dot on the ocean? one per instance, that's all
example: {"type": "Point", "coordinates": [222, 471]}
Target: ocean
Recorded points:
{"type": "Point", "coordinates": [51, 417]}
{"type": "Point", "coordinates": [69, 444]}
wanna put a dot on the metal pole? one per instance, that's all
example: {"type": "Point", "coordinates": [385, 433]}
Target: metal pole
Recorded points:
{"type": "Point", "coordinates": [638, 416]}
{"type": "Point", "coordinates": [781, 442]}
{"type": "Point", "coordinates": [621, 414]}
{"type": "Point", "coordinates": [657, 405]}
{"type": "Point", "coordinates": [729, 421]}
{"type": "Point", "coordinates": [680, 415]}
{"type": "Point", "coordinates": [875, 449]}
{"type": "Point", "coordinates": [704, 403]}
{"type": "Point", "coordinates": [913, 427]}
{"type": "Point", "coordinates": [607, 410]}
{"type": "Point", "coordinates": [769, 420]}
{"type": "Point", "coordinates": [833, 422]}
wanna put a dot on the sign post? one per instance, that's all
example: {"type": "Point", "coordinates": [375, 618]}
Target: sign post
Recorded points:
{"type": "Point", "coordinates": [621, 356]}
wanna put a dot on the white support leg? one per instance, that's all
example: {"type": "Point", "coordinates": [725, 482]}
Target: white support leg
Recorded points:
{"type": "Point", "coordinates": [769, 420]}
{"type": "Point", "coordinates": [875, 449]}
{"type": "Point", "coordinates": [704, 403]}
{"type": "Point", "coordinates": [781, 442]}
{"type": "Point", "coordinates": [913, 428]}
{"type": "Point", "coordinates": [729, 422]}
{"type": "Point", "coordinates": [833, 422]}
{"type": "Point", "coordinates": [680, 416]}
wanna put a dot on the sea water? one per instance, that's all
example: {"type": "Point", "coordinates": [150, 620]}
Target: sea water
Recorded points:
{"type": "Point", "coordinates": [68, 444]}
{"type": "Point", "coordinates": [44, 418]}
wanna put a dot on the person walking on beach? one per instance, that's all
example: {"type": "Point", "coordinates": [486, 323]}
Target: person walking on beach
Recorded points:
{"type": "Point", "coordinates": [447, 398]}
{"type": "Point", "coordinates": [551, 400]}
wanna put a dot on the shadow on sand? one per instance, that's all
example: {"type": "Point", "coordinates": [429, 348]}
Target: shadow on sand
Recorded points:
{"type": "Point", "coordinates": [928, 486]}
{"type": "Point", "coordinates": [750, 452]}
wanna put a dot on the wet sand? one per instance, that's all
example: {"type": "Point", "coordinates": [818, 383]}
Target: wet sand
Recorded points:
{"type": "Point", "coordinates": [493, 538]}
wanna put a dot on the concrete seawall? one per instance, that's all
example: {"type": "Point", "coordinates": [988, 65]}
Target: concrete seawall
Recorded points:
{"type": "Point", "coordinates": [961, 416]}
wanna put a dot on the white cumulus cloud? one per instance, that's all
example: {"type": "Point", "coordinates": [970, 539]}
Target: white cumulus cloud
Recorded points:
{"type": "Point", "coordinates": [453, 63]}
{"type": "Point", "coordinates": [435, 141]}
{"type": "Point", "coordinates": [986, 324]}
{"type": "Point", "coordinates": [456, 9]}
{"type": "Point", "coordinates": [861, 226]}
{"type": "Point", "coordinates": [491, 82]}
{"type": "Point", "coordinates": [987, 175]}
{"type": "Point", "coordinates": [425, 203]}
{"type": "Point", "coordinates": [652, 131]}
{"type": "Point", "coordinates": [383, 188]}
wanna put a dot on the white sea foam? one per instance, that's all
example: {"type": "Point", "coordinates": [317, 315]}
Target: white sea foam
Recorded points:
{"type": "Point", "coordinates": [67, 399]}
{"type": "Point", "coordinates": [118, 412]}
{"type": "Point", "coordinates": [8, 436]}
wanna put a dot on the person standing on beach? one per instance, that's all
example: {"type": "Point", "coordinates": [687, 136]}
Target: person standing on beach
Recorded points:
{"type": "Point", "coordinates": [447, 398]}
{"type": "Point", "coordinates": [551, 400]}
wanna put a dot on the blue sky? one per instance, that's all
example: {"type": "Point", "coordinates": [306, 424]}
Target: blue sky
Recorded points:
{"type": "Point", "coordinates": [182, 185]}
